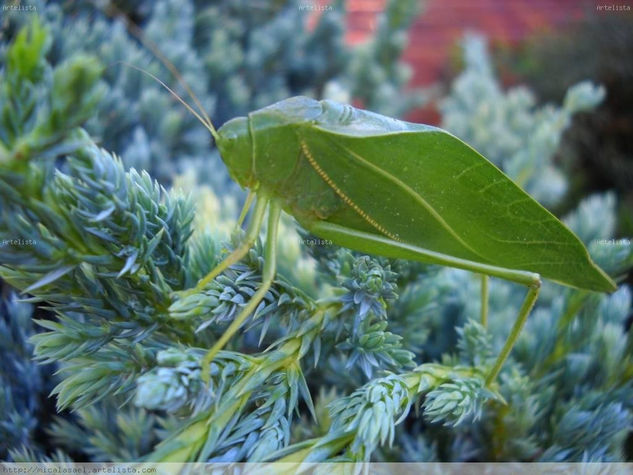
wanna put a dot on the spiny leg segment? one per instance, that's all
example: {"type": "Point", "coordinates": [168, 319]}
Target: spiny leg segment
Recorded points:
{"type": "Point", "coordinates": [268, 274]}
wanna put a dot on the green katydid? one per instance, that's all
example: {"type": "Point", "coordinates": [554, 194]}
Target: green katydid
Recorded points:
{"type": "Point", "coordinates": [395, 189]}
{"type": "Point", "coordinates": [391, 188]}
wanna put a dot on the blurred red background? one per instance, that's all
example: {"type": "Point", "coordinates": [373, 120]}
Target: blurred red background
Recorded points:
{"type": "Point", "coordinates": [441, 23]}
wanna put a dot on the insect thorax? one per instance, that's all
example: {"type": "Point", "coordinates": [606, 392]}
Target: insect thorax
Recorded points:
{"type": "Point", "coordinates": [265, 151]}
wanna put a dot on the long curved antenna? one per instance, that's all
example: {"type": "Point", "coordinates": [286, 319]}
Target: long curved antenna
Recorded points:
{"type": "Point", "coordinates": [202, 116]}
{"type": "Point", "coordinates": [208, 125]}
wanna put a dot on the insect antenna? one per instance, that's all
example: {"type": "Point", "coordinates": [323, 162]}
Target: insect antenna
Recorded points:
{"type": "Point", "coordinates": [207, 124]}
{"type": "Point", "coordinates": [112, 11]}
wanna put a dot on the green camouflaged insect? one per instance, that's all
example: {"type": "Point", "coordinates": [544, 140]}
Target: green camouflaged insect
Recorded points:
{"type": "Point", "coordinates": [396, 189]}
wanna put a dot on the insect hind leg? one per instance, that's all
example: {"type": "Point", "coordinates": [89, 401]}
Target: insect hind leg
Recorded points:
{"type": "Point", "coordinates": [384, 246]}
{"type": "Point", "coordinates": [526, 308]}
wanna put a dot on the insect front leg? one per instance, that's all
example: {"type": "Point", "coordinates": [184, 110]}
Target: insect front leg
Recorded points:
{"type": "Point", "coordinates": [247, 206]}
{"type": "Point", "coordinates": [268, 274]}
{"type": "Point", "coordinates": [238, 253]}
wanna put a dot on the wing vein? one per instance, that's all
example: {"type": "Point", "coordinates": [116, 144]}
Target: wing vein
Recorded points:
{"type": "Point", "coordinates": [346, 199]}
{"type": "Point", "coordinates": [396, 181]}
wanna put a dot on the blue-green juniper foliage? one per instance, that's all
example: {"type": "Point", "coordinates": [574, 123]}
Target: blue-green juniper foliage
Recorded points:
{"type": "Point", "coordinates": [103, 249]}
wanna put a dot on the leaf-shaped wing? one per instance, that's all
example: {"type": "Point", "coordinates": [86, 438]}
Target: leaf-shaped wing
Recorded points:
{"type": "Point", "coordinates": [422, 186]}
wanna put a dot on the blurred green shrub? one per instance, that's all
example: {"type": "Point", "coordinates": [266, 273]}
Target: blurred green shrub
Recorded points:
{"type": "Point", "coordinates": [597, 151]}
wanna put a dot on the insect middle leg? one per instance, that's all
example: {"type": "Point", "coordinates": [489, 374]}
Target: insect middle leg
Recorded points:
{"type": "Point", "coordinates": [268, 274]}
